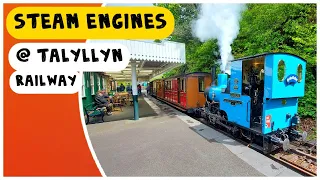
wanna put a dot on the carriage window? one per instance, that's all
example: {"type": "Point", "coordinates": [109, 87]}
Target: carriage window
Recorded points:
{"type": "Point", "coordinates": [182, 85]}
{"type": "Point", "coordinates": [299, 73]}
{"type": "Point", "coordinates": [201, 84]}
{"type": "Point", "coordinates": [281, 70]}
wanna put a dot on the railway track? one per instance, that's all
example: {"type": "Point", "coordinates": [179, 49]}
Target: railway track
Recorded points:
{"type": "Point", "coordinates": [300, 157]}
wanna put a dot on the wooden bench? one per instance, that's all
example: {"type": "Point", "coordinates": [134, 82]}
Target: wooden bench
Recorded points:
{"type": "Point", "coordinates": [124, 97]}
{"type": "Point", "coordinates": [117, 102]}
{"type": "Point", "coordinates": [92, 111]}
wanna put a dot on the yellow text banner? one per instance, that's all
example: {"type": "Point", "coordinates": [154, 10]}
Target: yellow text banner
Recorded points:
{"type": "Point", "coordinates": [90, 23]}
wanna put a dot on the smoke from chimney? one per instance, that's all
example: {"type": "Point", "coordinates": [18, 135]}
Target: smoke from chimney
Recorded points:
{"type": "Point", "coordinates": [221, 22]}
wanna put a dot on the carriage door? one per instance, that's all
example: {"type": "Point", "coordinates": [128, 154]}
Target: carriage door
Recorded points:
{"type": "Point", "coordinates": [179, 89]}
{"type": "Point", "coordinates": [182, 92]}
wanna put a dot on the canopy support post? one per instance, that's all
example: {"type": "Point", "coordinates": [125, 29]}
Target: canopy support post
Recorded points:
{"type": "Point", "coordinates": [134, 90]}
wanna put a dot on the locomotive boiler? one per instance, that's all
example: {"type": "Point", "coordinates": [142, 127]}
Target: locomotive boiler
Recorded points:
{"type": "Point", "coordinates": [258, 101]}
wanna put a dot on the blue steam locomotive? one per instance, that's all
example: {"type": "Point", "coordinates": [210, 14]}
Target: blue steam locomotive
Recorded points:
{"type": "Point", "coordinates": [258, 100]}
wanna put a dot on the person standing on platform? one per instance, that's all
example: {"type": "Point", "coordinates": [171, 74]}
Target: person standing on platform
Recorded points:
{"type": "Point", "coordinates": [139, 89]}
{"type": "Point", "coordinates": [129, 89]}
{"type": "Point", "coordinates": [122, 88]}
{"type": "Point", "coordinates": [148, 88]}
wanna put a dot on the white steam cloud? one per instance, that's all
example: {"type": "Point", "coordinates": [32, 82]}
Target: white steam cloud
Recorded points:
{"type": "Point", "coordinates": [221, 22]}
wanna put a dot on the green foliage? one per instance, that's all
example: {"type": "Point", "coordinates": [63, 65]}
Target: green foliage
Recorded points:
{"type": "Point", "coordinates": [263, 28]}
{"type": "Point", "coordinates": [282, 28]}
{"type": "Point", "coordinates": [308, 104]}
{"type": "Point", "coordinates": [204, 57]}
{"type": "Point", "coordinates": [183, 14]}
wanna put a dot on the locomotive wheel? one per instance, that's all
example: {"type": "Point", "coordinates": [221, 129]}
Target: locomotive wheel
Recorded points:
{"type": "Point", "coordinates": [240, 134]}
{"type": "Point", "coordinates": [224, 115]}
{"type": "Point", "coordinates": [235, 131]}
{"type": "Point", "coordinates": [211, 119]}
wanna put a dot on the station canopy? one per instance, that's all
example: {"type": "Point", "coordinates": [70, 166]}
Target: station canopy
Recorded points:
{"type": "Point", "coordinates": [151, 58]}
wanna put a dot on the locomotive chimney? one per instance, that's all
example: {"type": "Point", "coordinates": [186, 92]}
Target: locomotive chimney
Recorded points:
{"type": "Point", "coordinates": [213, 74]}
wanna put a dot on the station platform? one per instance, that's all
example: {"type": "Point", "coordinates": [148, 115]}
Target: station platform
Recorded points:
{"type": "Point", "coordinates": [166, 142]}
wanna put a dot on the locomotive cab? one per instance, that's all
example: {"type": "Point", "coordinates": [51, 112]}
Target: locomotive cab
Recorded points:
{"type": "Point", "coordinates": [284, 84]}
{"type": "Point", "coordinates": [253, 86]}
{"type": "Point", "coordinates": [273, 83]}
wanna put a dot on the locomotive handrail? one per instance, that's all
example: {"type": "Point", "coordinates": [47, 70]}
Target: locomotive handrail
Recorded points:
{"type": "Point", "coordinates": [247, 112]}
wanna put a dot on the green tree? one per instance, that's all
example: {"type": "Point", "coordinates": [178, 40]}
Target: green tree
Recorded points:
{"type": "Point", "coordinates": [199, 56]}
{"type": "Point", "coordinates": [282, 28]}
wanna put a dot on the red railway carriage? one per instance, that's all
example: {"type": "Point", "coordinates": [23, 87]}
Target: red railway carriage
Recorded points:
{"type": "Point", "coordinates": [183, 91]}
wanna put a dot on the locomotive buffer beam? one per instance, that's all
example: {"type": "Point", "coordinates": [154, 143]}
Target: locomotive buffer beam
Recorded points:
{"type": "Point", "coordinates": [282, 138]}
{"type": "Point", "coordinates": [302, 136]}
{"type": "Point", "coordinates": [278, 141]}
